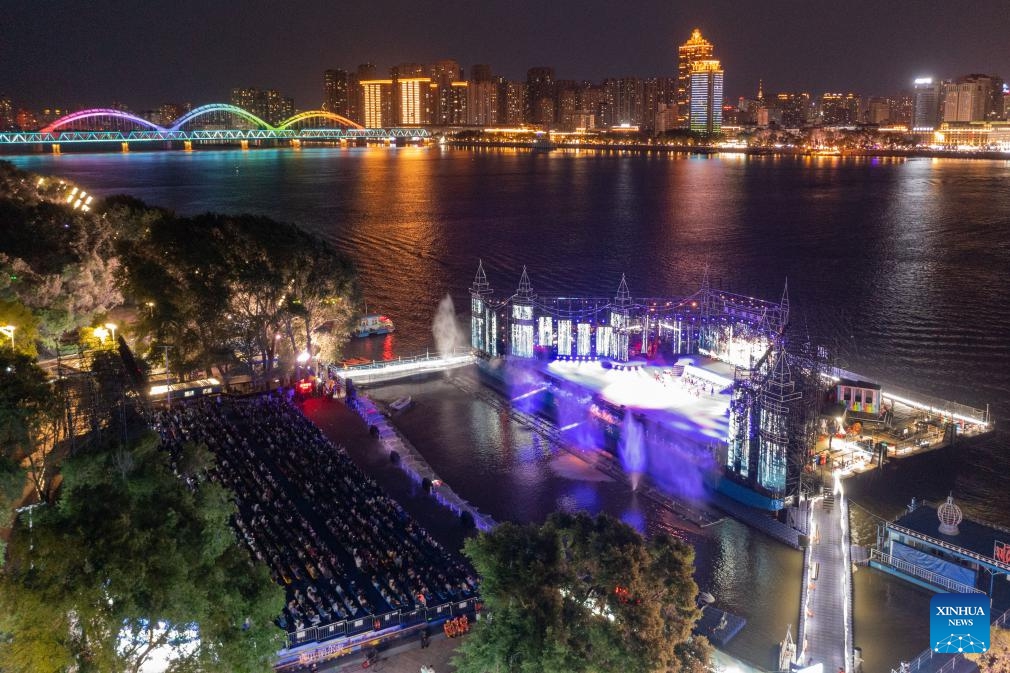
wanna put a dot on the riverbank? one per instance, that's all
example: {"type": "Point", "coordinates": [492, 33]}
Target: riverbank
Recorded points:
{"type": "Point", "coordinates": [662, 148]}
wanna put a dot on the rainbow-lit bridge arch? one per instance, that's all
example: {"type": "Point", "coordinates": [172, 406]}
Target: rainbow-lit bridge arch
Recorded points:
{"type": "Point", "coordinates": [209, 109]}
{"type": "Point", "coordinates": [318, 114]}
{"type": "Point", "coordinates": [105, 125]}
{"type": "Point", "coordinates": [217, 108]}
{"type": "Point", "coordinates": [94, 113]}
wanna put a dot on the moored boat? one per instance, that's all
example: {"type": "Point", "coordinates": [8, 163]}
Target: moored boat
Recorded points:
{"type": "Point", "coordinates": [373, 324]}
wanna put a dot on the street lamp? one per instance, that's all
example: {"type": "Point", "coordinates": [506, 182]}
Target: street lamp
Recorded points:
{"type": "Point", "coordinates": [111, 326]}
{"type": "Point", "coordinates": [9, 331]}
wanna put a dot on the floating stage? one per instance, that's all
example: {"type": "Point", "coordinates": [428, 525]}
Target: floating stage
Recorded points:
{"type": "Point", "coordinates": [708, 378]}
{"type": "Point", "coordinates": [691, 396]}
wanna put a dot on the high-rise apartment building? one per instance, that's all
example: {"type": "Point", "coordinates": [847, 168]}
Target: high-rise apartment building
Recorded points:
{"type": "Point", "coordinates": [972, 98]}
{"type": "Point", "coordinates": [512, 97]}
{"type": "Point", "coordinates": [838, 109]}
{"type": "Point", "coordinates": [336, 90]}
{"type": "Point", "coordinates": [414, 98]}
{"type": "Point", "coordinates": [926, 111]}
{"type": "Point", "coordinates": [458, 103]}
{"type": "Point", "coordinates": [269, 105]}
{"type": "Point", "coordinates": [568, 106]}
{"type": "Point", "coordinates": [484, 106]}
{"type": "Point", "coordinates": [622, 102]}
{"type": "Point", "coordinates": [695, 49]}
{"type": "Point", "coordinates": [706, 96]}
{"type": "Point", "coordinates": [540, 92]}
{"type": "Point", "coordinates": [377, 103]}
{"type": "Point", "coordinates": [443, 73]}
{"type": "Point", "coordinates": [795, 108]}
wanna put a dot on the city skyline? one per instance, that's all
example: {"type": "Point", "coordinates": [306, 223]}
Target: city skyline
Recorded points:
{"type": "Point", "coordinates": [873, 49]}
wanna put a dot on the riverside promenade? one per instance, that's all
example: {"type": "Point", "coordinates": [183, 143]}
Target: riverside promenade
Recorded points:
{"type": "Point", "coordinates": [825, 634]}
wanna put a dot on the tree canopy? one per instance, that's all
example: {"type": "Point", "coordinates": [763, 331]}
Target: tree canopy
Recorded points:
{"type": "Point", "coordinates": [581, 594]}
{"type": "Point", "coordinates": [130, 559]}
{"type": "Point", "coordinates": [237, 290]}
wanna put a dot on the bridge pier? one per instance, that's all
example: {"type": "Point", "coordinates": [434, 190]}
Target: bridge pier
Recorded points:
{"type": "Point", "coordinates": [56, 148]}
{"type": "Point", "coordinates": [296, 143]}
{"type": "Point", "coordinates": [244, 144]}
{"type": "Point", "coordinates": [125, 147]}
{"type": "Point", "coordinates": [187, 145]}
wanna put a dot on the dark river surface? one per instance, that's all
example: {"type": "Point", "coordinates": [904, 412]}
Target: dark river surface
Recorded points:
{"type": "Point", "coordinates": [900, 266]}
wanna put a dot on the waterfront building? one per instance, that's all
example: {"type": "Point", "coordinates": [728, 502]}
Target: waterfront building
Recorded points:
{"type": "Point", "coordinates": [458, 100]}
{"type": "Point", "coordinates": [336, 89]}
{"type": "Point", "coordinates": [695, 49]}
{"type": "Point", "coordinates": [838, 109]}
{"type": "Point", "coordinates": [972, 98]}
{"type": "Point", "coordinates": [992, 136]}
{"type": "Point", "coordinates": [795, 107]}
{"type": "Point", "coordinates": [937, 548]}
{"type": "Point", "coordinates": [512, 99]}
{"type": "Point", "coordinates": [926, 110]}
{"type": "Point", "coordinates": [622, 102]}
{"type": "Point", "coordinates": [377, 103]}
{"type": "Point", "coordinates": [706, 97]}
{"type": "Point", "coordinates": [483, 102]}
{"type": "Point", "coordinates": [267, 104]}
{"type": "Point", "coordinates": [568, 107]}
{"type": "Point", "coordinates": [355, 92]}
{"type": "Point", "coordinates": [880, 111]}
{"type": "Point", "coordinates": [540, 92]}
{"type": "Point", "coordinates": [443, 73]}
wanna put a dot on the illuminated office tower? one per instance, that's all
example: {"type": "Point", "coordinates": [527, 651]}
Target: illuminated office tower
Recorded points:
{"type": "Point", "coordinates": [377, 103]}
{"type": "Point", "coordinates": [706, 97]}
{"type": "Point", "coordinates": [926, 113]}
{"type": "Point", "coordinates": [695, 49]}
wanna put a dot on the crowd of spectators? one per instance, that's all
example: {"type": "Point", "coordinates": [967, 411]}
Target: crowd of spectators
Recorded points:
{"type": "Point", "coordinates": [338, 545]}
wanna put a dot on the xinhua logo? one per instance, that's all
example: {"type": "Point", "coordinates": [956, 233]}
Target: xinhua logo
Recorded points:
{"type": "Point", "coordinates": [959, 623]}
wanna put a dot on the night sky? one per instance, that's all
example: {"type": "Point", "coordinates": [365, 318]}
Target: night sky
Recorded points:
{"type": "Point", "coordinates": [147, 52]}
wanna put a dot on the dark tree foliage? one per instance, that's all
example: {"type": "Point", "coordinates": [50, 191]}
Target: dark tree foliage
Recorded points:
{"type": "Point", "coordinates": [583, 594]}
{"type": "Point", "coordinates": [129, 560]}
{"type": "Point", "coordinates": [237, 290]}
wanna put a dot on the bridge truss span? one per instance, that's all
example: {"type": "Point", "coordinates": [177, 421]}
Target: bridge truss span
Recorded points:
{"type": "Point", "coordinates": [211, 123]}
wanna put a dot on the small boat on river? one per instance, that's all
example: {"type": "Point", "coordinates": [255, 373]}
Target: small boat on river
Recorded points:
{"type": "Point", "coordinates": [373, 324]}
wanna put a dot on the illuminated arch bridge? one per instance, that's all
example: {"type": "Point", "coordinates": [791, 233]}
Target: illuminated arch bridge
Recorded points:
{"type": "Point", "coordinates": [207, 123]}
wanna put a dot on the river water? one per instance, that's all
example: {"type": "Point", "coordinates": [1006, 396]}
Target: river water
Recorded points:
{"type": "Point", "coordinates": [901, 266]}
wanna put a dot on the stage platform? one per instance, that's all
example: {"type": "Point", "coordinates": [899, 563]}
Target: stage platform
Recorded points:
{"type": "Point", "coordinates": [691, 396]}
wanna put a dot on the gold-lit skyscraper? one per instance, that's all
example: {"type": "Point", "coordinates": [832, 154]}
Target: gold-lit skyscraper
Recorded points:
{"type": "Point", "coordinates": [695, 49]}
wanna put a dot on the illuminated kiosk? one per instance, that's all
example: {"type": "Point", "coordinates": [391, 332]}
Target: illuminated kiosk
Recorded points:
{"type": "Point", "coordinates": [707, 376]}
{"type": "Point", "coordinates": [937, 548]}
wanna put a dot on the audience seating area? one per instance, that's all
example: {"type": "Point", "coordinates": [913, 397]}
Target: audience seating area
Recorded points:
{"type": "Point", "coordinates": [339, 546]}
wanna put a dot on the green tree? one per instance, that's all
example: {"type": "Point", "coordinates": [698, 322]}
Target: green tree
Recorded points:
{"type": "Point", "coordinates": [223, 291]}
{"type": "Point", "coordinates": [32, 420]}
{"type": "Point", "coordinates": [131, 560]}
{"type": "Point", "coordinates": [26, 327]}
{"type": "Point", "coordinates": [582, 594]}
